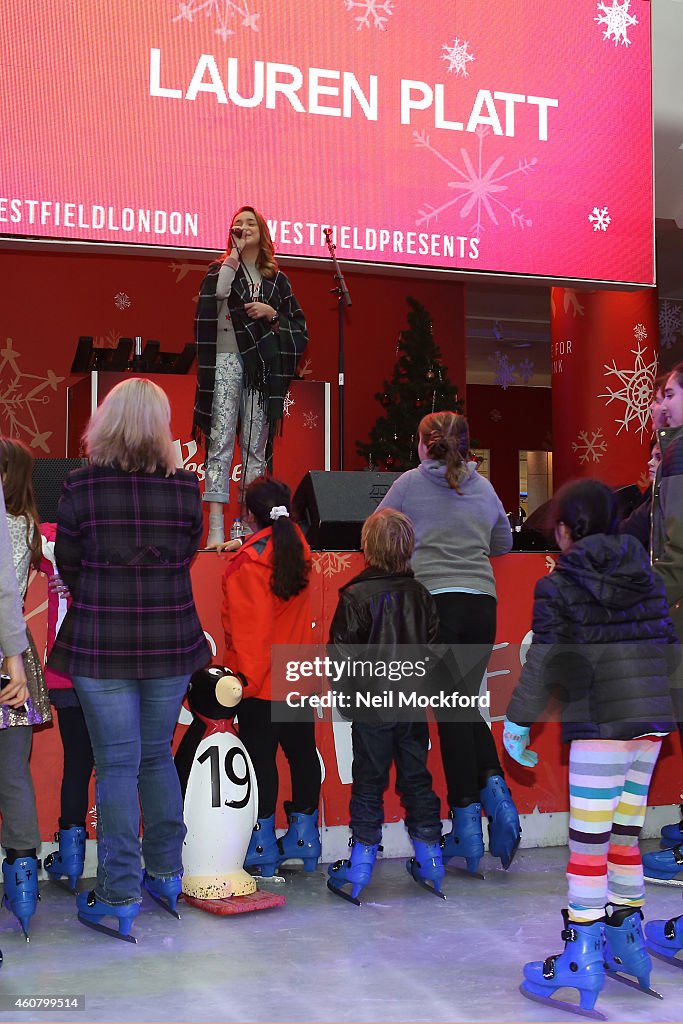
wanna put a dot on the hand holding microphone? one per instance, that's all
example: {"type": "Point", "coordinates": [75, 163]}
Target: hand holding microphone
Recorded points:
{"type": "Point", "coordinates": [236, 234]}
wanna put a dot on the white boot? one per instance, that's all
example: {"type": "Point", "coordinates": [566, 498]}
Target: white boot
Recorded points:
{"type": "Point", "coordinates": [216, 530]}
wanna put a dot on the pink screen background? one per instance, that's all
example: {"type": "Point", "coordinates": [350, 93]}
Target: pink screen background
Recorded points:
{"type": "Point", "coordinates": [80, 128]}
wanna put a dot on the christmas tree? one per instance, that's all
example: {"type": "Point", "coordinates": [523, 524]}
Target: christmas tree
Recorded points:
{"type": "Point", "coordinates": [419, 386]}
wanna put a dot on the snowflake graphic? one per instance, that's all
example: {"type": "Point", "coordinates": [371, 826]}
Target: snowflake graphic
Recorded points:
{"type": "Point", "coordinates": [288, 402]}
{"type": "Point", "coordinates": [670, 322]}
{"type": "Point", "coordinates": [305, 368]}
{"type": "Point", "coordinates": [636, 390]}
{"type": "Point", "coordinates": [122, 301]}
{"type": "Point", "coordinates": [549, 563]}
{"type": "Point", "coordinates": [21, 395]}
{"type": "Point", "coordinates": [457, 57]}
{"type": "Point", "coordinates": [376, 13]}
{"type": "Point", "coordinates": [526, 370]}
{"type": "Point", "coordinates": [329, 563]}
{"type": "Point", "coordinates": [225, 12]}
{"type": "Point", "coordinates": [503, 369]}
{"type": "Point", "coordinates": [310, 420]}
{"type": "Point", "coordinates": [600, 218]}
{"type": "Point", "coordinates": [593, 447]}
{"type": "Point", "coordinates": [478, 188]}
{"type": "Point", "coordinates": [92, 815]}
{"type": "Point", "coordinates": [640, 332]}
{"type": "Point", "coordinates": [496, 415]}
{"type": "Point", "coordinates": [616, 20]}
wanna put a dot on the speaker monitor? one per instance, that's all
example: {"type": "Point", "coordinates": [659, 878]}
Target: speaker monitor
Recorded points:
{"type": "Point", "coordinates": [48, 477]}
{"type": "Point", "coordinates": [84, 358]}
{"type": "Point", "coordinates": [332, 507]}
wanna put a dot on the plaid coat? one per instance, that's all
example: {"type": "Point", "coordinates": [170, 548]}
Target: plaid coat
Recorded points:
{"type": "Point", "coordinates": [124, 545]}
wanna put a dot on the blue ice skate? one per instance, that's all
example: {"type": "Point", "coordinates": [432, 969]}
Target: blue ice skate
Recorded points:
{"type": "Point", "coordinates": [580, 966]}
{"type": "Point", "coordinates": [263, 853]}
{"type": "Point", "coordinates": [624, 950]}
{"type": "Point", "coordinates": [356, 871]}
{"type": "Point", "coordinates": [20, 877]}
{"type": "Point", "coordinates": [672, 835]}
{"type": "Point", "coordinates": [301, 841]}
{"type": "Point", "coordinates": [665, 867]}
{"type": "Point", "coordinates": [466, 838]}
{"type": "Point", "coordinates": [69, 859]}
{"type": "Point", "coordinates": [664, 939]}
{"type": "Point", "coordinates": [505, 831]}
{"type": "Point", "coordinates": [91, 910]}
{"type": "Point", "coordinates": [165, 891]}
{"type": "Point", "coordinates": [426, 867]}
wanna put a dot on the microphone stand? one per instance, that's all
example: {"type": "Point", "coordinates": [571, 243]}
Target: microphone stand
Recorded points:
{"type": "Point", "coordinates": [343, 298]}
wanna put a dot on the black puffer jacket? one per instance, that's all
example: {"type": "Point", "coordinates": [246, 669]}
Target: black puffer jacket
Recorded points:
{"type": "Point", "coordinates": [602, 637]}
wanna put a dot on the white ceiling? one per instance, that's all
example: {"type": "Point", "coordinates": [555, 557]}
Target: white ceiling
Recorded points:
{"type": "Point", "coordinates": [514, 320]}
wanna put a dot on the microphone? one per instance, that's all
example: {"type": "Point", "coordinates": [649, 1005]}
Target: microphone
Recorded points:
{"type": "Point", "coordinates": [236, 232]}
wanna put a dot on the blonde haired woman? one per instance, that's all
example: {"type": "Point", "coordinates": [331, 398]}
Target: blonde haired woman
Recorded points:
{"type": "Point", "coordinates": [459, 523]}
{"type": "Point", "coordinates": [250, 334]}
{"type": "Point", "coordinates": [128, 526]}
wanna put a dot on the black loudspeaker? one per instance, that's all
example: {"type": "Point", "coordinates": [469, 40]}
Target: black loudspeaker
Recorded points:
{"type": "Point", "coordinates": [332, 507]}
{"type": "Point", "coordinates": [48, 477]}
{"type": "Point", "coordinates": [84, 360]}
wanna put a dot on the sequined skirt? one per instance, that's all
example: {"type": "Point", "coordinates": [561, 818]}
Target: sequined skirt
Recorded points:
{"type": "Point", "coordinates": [37, 709]}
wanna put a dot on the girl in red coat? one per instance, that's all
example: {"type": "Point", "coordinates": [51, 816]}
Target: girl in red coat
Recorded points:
{"type": "Point", "coordinates": [267, 602]}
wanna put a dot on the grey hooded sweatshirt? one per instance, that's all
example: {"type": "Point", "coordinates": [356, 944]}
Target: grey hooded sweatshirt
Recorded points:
{"type": "Point", "coordinates": [455, 531]}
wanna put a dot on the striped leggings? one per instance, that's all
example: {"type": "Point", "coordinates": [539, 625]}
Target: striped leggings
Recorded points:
{"type": "Point", "coordinates": [608, 786]}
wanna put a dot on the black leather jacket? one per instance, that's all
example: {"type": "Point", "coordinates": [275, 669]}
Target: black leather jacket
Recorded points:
{"type": "Point", "coordinates": [384, 609]}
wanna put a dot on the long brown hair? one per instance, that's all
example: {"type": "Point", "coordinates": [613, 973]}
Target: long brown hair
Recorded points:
{"type": "Point", "coordinates": [16, 468]}
{"type": "Point", "coordinates": [266, 264]}
{"type": "Point", "coordinates": [446, 436]}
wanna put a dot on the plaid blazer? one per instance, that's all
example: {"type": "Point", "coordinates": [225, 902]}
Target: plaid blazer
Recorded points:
{"type": "Point", "coordinates": [124, 546]}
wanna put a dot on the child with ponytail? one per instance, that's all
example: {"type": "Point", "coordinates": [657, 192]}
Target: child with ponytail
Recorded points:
{"type": "Point", "coordinates": [459, 524]}
{"type": "Point", "coordinates": [266, 602]}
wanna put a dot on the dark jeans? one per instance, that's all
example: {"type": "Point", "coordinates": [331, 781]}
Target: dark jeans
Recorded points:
{"type": "Point", "coordinates": [261, 736]}
{"type": "Point", "coordinates": [78, 765]}
{"type": "Point", "coordinates": [374, 748]}
{"type": "Point", "coordinates": [468, 750]}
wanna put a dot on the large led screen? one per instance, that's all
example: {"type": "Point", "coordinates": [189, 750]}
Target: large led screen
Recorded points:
{"type": "Point", "coordinates": [505, 136]}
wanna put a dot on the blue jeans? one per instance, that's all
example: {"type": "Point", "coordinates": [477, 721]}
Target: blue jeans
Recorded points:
{"type": "Point", "coordinates": [131, 723]}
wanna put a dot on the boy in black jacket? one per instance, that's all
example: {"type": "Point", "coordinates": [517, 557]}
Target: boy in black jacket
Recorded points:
{"type": "Point", "coordinates": [385, 606]}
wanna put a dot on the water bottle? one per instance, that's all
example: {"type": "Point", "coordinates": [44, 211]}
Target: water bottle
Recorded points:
{"type": "Point", "coordinates": [136, 363]}
{"type": "Point", "coordinates": [237, 530]}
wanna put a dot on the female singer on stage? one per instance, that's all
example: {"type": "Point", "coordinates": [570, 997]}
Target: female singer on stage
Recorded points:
{"type": "Point", "coordinates": [459, 523]}
{"type": "Point", "coordinates": [250, 333]}
{"type": "Point", "coordinates": [128, 526]}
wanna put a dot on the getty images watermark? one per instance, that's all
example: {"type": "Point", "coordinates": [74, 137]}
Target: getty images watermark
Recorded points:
{"type": "Point", "coordinates": [371, 684]}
